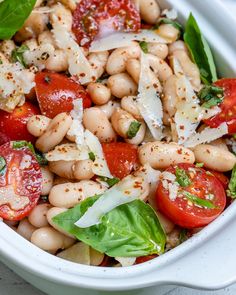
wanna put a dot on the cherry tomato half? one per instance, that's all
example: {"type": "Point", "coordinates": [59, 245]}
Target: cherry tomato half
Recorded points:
{"type": "Point", "coordinates": [228, 106]}
{"type": "Point", "coordinates": [20, 181]}
{"type": "Point", "coordinates": [56, 92]}
{"type": "Point", "coordinates": [189, 214]}
{"type": "Point", "coordinates": [13, 126]}
{"type": "Point", "coordinates": [224, 180]}
{"type": "Point", "coordinates": [121, 158]}
{"type": "Point", "coordinates": [103, 17]}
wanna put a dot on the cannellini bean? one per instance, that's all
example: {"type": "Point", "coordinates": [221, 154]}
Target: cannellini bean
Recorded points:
{"type": "Point", "coordinates": [52, 212]}
{"type": "Point", "coordinates": [31, 43]}
{"type": "Point", "coordinates": [46, 37]}
{"type": "Point", "coordinates": [160, 67]}
{"type": "Point", "coordinates": [62, 168]}
{"type": "Point", "coordinates": [167, 225]}
{"type": "Point", "coordinates": [62, 15]}
{"type": "Point", "coordinates": [214, 157]}
{"type": "Point", "coordinates": [109, 108]}
{"type": "Point", "coordinates": [69, 194]}
{"type": "Point", "coordinates": [158, 49]}
{"type": "Point", "coordinates": [189, 68]}
{"type": "Point", "coordinates": [3, 58]}
{"type": "Point", "coordinates": [55, 132]}
{"type": "Point", "coordinates": [98, 62]}
{"type": "Point", "coordinates": [160, 155]}
{"type": "Point", "coordinates": [122, 85]}
{"type": "Point", "coordinates": [38, 216]}
{"type": "Point", "coordinates": [177, 45]}
{"type": "Point", "coordinates": [25, 229]}
{"type": "Point", "coordinates": [38, 124]}
{"type": "Point", "coordinates": [96, 121]}
{"type": "Point", "coordinates": [35, 24]}
{"type": "Point", "coordinates": [6, 47]}
{"type": "Point", "coordinates": [117, 60]}
{"type": "Point", "coordinates": [61, 180]}
{"type": "Point", "coordinates": [83, 170]}
{"type": "Point", "coordinates": [149, 11]}
{"type": "Point", "coordinates": [173, 239]}
{"type": "Point", "coordinates": [47, 180]}
{"type": "Point", "coordinates": [99, 93]}
{"type": "Point", "coordinates": [168, 32]}
{"type": "Point", "coordinates": [48, 239]}
{"type": "Point", "coordinates": [57, 62]}
{"type": "Point", "coordinates": [220, 142]}
{"type": "Point", "coordinates": [139, 137]}
{"type": "Point", "coordinates": [129, 104]}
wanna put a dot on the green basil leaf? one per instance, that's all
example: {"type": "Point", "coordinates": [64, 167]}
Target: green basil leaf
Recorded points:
{"type": "Point", "coordinates": [130, 230]}
{"type": "Point", "coordinates": [199, 165]}
{"type": "Point", "coordinates": [133, 129]}
{"type": "Point", "coordinates": [13, 14]}
{"type": "Point", "coordinates": [144, 46]}
{"type": "Point", "coordinates": [182, 177]}
{"type": "Point", "coordinates": [211, 96]}
{"type": "Point", "coordinates": [200, 51]}
{"type": "Point", "coordinates": [2, 165]}
{"type": "Point", "coordinates": [91, 156]}
{"type": "Point", "coordinates": [198, 201]}
{"type": "Point", "coordinates": [231, 191]}
{"type": "Point", "coordinates": [17, 55]}
{"type": "Point", "coordinates": [110, 181]}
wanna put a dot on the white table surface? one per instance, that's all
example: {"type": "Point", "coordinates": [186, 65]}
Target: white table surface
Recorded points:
{"type": "Point", "coordinates": [11, 284]}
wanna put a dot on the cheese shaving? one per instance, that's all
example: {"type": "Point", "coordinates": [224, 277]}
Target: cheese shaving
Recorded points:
{"type": "Point", "coordinates": [126, 261]}
{"type": "Point", "coordinates": [120, 39]}
{"type": "Point", "coordinates": [68, 152]}
{"type": "Point", "coordinates": [169, 183]}
{"type": "Point", "coordinates": [149, 102]}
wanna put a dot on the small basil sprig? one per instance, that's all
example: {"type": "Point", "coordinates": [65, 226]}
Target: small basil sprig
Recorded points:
{"type": "Point", "coordinates": [130, 230]}
{"type": "Point", "coordinates": [182, 177]}
{"type": "Point", "coordinates": [110, 181]}
{"type": "Point", "coordinates": [231, 191]}
{"type": "Point", "coordinates": [144, 46]}
{"type": "Point", "coordinates": [211, 96]}
{"type": "Point", "coordinates": [133, 129]}
{"type": "Point", "coordinates": [17, 54]}
{"type": "Point", "coordinates": [92, 156]}
{"type": "Point", "coordinates": [13, 14]}
{"type": "Point", "coordinates": [200, 51]}
{"type": "Point", "coordinates": [2, 165]}
{"type": "Point", "coordinates": [198, 201]}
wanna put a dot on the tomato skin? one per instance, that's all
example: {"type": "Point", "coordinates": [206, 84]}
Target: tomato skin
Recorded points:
{"type": "Point", "coordinates": [56, 92]}
{"type": "Point", "coordinates": [187, 216]}
{"type": "Point", "coordinates": [93, 17]}
{"type": "Point", "coordinates": [228, 106]}
{"type": "Point", "coordinates": [221, 177]}
{"type": "Point", "coordinates": [121, 158]}
{"type": "Point", "coordinates": [143, 259]}
{"type": "Point", "coordinates": [25, 179]}
{"type": "Point", "coordinates": [13, 126]}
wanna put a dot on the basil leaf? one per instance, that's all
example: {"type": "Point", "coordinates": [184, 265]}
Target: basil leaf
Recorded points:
{"type": "Point", "coordinates": [92, 156]}
{"type": "Point", "coordinates": [110, 181]}
{"type": "Point", "coordinates": [211, 96]}
{"type": "Point", "coordinates": [231, 191]}
{"type": "Point", "coordinates": [198, 201]}
{"type": "Point", "coordinates": [199, 165]}
{"type": "Point", "coordinates": [17, 55]}
{"type": "Point", "coordinates": [13, 14]}
{"type": "Point", "coordinates": [133, 129]}
{"type": "Point", "coordinates": [2, 165]}
{"type": "Point", "coordinates": [182, 177]}
{"type": "Point", "coordinates": [130, 230]}
{"type": "Point", "coordinates": [144, 46]}
{"type": "Point", "coordinates": [200, 51]}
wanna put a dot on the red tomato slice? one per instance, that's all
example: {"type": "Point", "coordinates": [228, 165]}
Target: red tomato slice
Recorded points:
{"type": "Point", "coordinates": [13, 125]}
{"type": "Point", "coordinates": [20, 182]}
{"type": "Point", "coordinates": [187, 214]}
{"type": "Point", "coordinates": [121, 158]}
{"type": "Point", "coordinates": [143, 259]}
{"type": "Point", "coordinates": [228, 106]}
{"type": "Point", "coordinates": [103, 17]}
{"type": "Point", "coordinates": [56, 92]}
{"type": "Point", "coordinates": [224, 180]}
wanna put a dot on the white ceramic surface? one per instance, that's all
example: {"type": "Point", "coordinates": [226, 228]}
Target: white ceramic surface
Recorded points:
{"type": "Point", "coordinates": [205, 261]}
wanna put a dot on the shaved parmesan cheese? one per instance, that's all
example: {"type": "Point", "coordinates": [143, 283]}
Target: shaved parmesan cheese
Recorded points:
{"type": "Point", "coordinates": [207, 135]}
{"type": "Point", "coordinates": [127, 190]}
{"type": "Point", "coordinates": [208, 113]}
{"type": "Point", "coordinates": [120, 39]}
{"type": "Point", "coordinates": [168, 176]}
{"type": "Point", "coordinates": [173, 190]}
{"type": "Point", "coordinates": [170, 13]}
{"type": "Point", "coordinates": [68, 152]}
{"type": "Point", "coordinates": [126, 261]}
{"type": "Point", "coordinates": [169, 183]}
{"type": "Point", "coordinates": [78, 63]}
{"type": "Point", "coordinates": [100, 166]}
{"type": "Point", "coordinates": [149, 102]}
{"type": "Point", "coordinates": [149, 174]}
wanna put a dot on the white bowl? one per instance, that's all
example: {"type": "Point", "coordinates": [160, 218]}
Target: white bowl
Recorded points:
{"type": "Point", "coordinates": [206, 261]}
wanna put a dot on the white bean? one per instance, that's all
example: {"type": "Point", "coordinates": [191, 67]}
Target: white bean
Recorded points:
{"type": "Point", "coordinates": [177, 45]}
{"type": "Point", "coordinates": [168, 32]}
{"type": "Point", "coordinates": [46, 37]}
{"type": "Point", "coordinates": [139, 137]}
{"type": "Point", "coordinates": [69, 194]}
{"type": "Point", "coordinates": [62, 15]}
{"type": "Point", "coordinates": [83, 170]}
{"type": "Point", "coordinates": [47, 180]}
{"type": "Point", "coordinates": [62, 168]}
{"type": "Point", "coordinates": [99, 93]}
{"type": "Point", "coordinates": [38, 215]}
{"type": "Point", "coordinates": [170, 98]}
{"type": "Point", "coordinates": [31, 43]}
{"type": "Point", "coordinates": [57, 62]}
{"type": "Point", "coordinates": [48, 239]}
{"type": "Point", "coordinates": [214, 157]}
{"type": "Point", "coordinates": [98, 62]}
{"type": "Point", "coordinates": [25, 229]}
{"type": "Point", "coordinates": [160, 155]}
{"type": "Point", "coordinates": [160, 67]}
{"type": "Point", "coordinates": [158, 49]}
{"type": "Point", "coordinates": [55, 132]}
{"type": "Point", "coordinates": [6, 47]}
{"type": "Point", "coordinates": [96, 121]}
{"type": "Point", "coordinates": [149, 11]}
{"type": "Point", "coordinates": [117, 60]}
{"type": "Point", "coordinates": [38, 124]}
{"type": "Point", "coordinates": [129, 104]}
{"type": "Point", "coordinates": [109, 108]}
{"type": "Point", "coordinates": [220, 142]}
{"type": "Point", "coordinates": [122, 85]}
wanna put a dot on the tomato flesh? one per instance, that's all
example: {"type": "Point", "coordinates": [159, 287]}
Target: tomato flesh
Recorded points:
{"type": "Point", "coordinates": [103, 17]}
{"type": "Point", "coordinates": [121, 158]}
{"type": "Point", "coordinates": [184, 213]}
{"type": "Point", "coordinates": [224, 180]}
{"type": "Point", "coordinates": [143, 259]}
{"type": "Point", "coordinates": [228, 106]}
{"type": "Point", "coordinates": [20, 182]}
{"type": "Point", "coordinates": [56, 93]}
{"type": "Point", "coordinates": [13, 126]}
